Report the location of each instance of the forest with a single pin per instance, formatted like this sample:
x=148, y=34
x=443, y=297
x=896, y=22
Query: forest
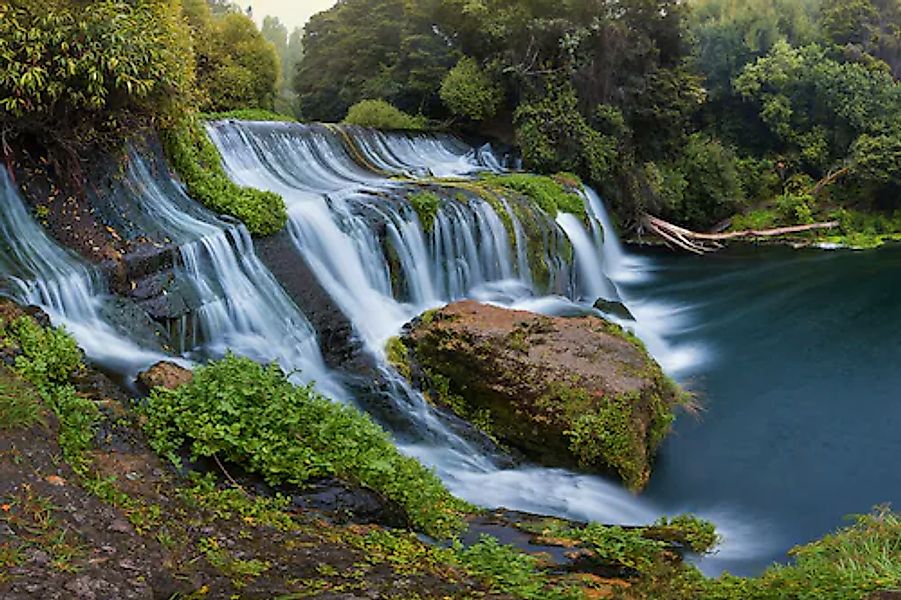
x=368, y=308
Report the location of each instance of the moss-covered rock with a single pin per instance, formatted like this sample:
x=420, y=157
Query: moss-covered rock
x=564, y=391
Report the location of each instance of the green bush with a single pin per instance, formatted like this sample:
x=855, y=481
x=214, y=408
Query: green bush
x=78, y=68
x=379, y=114
x=198, y=163
x=468, y=91
x=712, y=189
x=547, y=192
x=253, y=416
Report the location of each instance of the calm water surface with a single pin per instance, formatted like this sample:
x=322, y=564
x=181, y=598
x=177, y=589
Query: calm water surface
x=799, y=373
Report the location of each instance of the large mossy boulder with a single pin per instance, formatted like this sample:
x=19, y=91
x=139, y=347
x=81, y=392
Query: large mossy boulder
x=563, y=391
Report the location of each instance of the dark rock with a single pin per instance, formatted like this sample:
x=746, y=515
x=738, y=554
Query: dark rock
x=614, y=308
x=340, y=347
x=166, y=375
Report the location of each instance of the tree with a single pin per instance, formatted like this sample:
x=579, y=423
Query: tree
x=70, y=72
x=468, y=91
x=235, y=66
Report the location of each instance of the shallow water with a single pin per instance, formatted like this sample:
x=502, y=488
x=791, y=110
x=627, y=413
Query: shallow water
x=797, y=368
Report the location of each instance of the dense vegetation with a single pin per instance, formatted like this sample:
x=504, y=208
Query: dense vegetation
x=196, y=160
x=784, y=109
x=252, y=415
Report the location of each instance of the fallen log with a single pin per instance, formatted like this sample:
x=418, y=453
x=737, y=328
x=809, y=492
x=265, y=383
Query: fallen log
x=700, y=243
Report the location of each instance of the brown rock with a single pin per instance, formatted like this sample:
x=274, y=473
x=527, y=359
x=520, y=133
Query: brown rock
x=564, y=391
x=165, y=374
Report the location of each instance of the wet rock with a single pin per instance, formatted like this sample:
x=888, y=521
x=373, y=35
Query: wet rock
x=563, y=391
x=166, y=375
x=614, y=308
x=341, y=349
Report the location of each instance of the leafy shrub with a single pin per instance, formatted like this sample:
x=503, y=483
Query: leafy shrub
x=468, y=91
x=547, y=192
x=699, y=535
x=379, y=114
x=77, y=68
x=197, y=161
x=426, y=205
x=252, y=415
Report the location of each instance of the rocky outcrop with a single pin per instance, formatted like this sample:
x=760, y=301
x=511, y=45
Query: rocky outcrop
x=563, y=391
x=165, y=374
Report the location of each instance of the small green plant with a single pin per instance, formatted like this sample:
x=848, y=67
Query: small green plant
x=697, y=534
x=47, y=359
x=252, y=415
x=506, y=570
x=382, y=115
x=197, y=162
x=426, y=205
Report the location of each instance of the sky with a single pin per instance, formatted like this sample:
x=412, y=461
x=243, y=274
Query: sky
x=293, y=13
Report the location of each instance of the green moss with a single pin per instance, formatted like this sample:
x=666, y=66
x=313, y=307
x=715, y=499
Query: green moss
x=251, y=415
x=426, y=205
x=247, y=114
x=547, y=192
x=197, y=162
x=397, y=355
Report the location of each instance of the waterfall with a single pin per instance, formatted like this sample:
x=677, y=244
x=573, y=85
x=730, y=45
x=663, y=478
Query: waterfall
x=35, y=270
x=242, y=307
x=382, y=266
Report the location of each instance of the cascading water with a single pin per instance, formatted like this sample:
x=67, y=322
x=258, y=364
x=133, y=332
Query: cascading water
x=242, y=307
x=336, y=217
x=35, y=270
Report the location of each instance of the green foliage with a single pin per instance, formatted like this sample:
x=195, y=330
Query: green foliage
x=48, y=358
x=506, y=570
x=547, y=192
x=251, y=415
x=554, y=136
x=235, y=67
x=397, y=355
x=699, y=535
x=468, y=91
x=848, y=565
x=372, y=49
x=20, y=406
x=707, y=186
x=198, y=163
x=382, y=115
x=81, y=69
x=426, y=205
x=247, y=114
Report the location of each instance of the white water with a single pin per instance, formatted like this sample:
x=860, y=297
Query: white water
x=242, y=307
x=35, y=270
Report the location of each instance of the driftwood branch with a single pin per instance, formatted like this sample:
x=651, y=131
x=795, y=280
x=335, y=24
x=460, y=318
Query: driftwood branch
x=701, y=243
